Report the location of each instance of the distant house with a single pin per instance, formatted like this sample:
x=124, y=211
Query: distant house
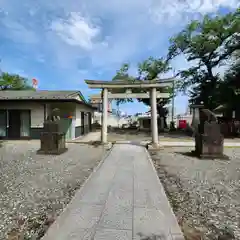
x=22, y=113
x=96, y=101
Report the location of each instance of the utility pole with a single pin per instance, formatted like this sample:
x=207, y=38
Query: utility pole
x=173, y=89
x=118, y=114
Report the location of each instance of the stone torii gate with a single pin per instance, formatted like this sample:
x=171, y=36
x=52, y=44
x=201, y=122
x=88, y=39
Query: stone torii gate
x=153, y=94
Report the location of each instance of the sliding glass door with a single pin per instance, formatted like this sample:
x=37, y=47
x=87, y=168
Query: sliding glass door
x=25, y=123
x=3, y=123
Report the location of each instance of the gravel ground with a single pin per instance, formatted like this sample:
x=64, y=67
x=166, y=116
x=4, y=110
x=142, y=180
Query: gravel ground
x=134, y=135
x=205, y=194
x=35, y=188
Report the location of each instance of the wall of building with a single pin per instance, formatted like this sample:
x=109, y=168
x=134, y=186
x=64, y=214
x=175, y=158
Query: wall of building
x=70, y=113
x=97, y=103
x=37, y=111
x=78, y=116
x=78, y=122
x=82, y=128
x=37, y=114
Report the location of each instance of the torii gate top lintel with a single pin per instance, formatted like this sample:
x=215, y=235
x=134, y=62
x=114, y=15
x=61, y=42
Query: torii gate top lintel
x=158, y=83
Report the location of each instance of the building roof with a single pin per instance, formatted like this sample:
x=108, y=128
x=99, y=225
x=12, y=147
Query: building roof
x=30, y=94
x=43, y=95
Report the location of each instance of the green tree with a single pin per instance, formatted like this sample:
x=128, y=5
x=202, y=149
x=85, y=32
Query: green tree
x=207, y=44
x=148, y=70
x=230, y=90
x=151, y=68
x=14, y=82
x=122, y=75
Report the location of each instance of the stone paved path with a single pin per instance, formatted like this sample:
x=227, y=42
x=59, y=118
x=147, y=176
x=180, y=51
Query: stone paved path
x=122, y=200
x=92, y=136
x=178, y=143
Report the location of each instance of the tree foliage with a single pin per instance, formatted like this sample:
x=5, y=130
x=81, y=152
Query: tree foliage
x=148, y=70
x=13, y=82
x=206, y=44
x=151, y=68
x=230, y=89
x=122, y=75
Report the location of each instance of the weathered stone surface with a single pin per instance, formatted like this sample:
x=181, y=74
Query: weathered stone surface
x=150, y=222
x=52, y=138
x=110, y=234
x=208, y=138
x=117, y=216
x=83, y=216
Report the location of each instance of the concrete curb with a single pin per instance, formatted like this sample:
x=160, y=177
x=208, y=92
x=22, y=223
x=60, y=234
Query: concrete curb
x=178, y=232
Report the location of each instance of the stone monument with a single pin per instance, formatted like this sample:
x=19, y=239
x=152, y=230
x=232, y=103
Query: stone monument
x=208, y=138
x=52, y=138
x=162, y=112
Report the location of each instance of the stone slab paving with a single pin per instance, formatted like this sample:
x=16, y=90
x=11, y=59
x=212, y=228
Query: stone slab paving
x=192, y=144
x=123, y=199
x=92, y=136
x=177, y=143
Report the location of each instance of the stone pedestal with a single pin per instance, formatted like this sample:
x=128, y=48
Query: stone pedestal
x=204, y=148
x=52, y=139
x=209, y=141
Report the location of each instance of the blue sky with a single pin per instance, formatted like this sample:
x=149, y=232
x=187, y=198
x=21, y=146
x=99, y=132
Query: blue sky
x=61, y=42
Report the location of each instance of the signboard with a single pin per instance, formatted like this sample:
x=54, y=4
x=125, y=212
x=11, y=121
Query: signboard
x=182, y=124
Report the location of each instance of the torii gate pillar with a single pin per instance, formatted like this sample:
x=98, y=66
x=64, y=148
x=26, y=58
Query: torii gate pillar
x=154, y=122
x=104, y=115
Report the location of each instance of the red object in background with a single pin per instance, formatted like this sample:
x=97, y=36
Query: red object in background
x=182, y=124
x=34, y=83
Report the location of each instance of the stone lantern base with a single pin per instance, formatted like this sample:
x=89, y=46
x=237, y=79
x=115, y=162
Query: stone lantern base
x=207, y=147
x=209, y=141
x=52, y=139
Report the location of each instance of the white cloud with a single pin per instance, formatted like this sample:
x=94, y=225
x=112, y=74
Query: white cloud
x=100, y=34
x=182, y=11
x=76, y=31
